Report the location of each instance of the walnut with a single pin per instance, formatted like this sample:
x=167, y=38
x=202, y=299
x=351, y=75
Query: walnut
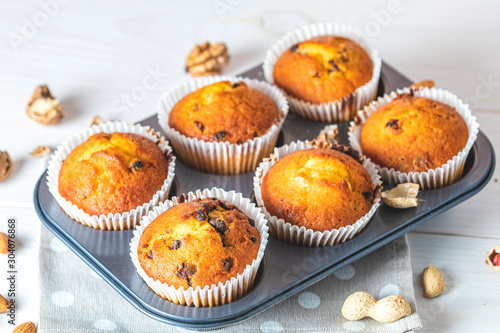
x=5, y=165
x=43, y=107
x=402, y=196
x=207, y=59
x=330, y=134
x=96, y=121
x=40, y=151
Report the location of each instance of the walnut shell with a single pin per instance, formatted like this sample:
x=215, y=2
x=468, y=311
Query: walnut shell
x=207, y=59
x=490, y=255
x=432, y=282
x=6, y=165
x=43, y=107
x=329, y=134
x=402, y=196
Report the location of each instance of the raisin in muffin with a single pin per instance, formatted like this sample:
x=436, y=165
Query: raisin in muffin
x=323, y=69
x=224, y=111
x=413, y=134
x=198, y=243
x=113, y=173
x=318, y=188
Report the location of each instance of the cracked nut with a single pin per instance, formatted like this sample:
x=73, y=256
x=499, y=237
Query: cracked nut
x=43, y=107
x=40, y=151
x=329, y=134
x=28, y=327
x=387, y=310
x=207, y=59
x=96, y=121
x=432, y=282
x=493, y=257
x=4, y=304
x=5, y=165
x=402, y=196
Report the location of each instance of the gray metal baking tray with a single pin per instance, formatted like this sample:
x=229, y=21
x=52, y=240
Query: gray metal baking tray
x=286, y=269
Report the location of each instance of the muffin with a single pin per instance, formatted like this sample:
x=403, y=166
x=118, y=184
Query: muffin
x=224, y=111
x=109, y=175
x=198, y=243
x=418, y=136
x=201, y=249
x=327, y=71
x=323, y=69
x=413, y=134
x=317, y=188
x=223, y=125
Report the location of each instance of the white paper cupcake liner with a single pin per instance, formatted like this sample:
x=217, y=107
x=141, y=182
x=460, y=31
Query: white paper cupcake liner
x=221, y=157
x=293, y=234
x=110, y=221
x=433, y=178
x=225, y=291
x=343, y=109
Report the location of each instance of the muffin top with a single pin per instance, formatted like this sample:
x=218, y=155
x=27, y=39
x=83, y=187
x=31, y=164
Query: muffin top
x=112, y=173
x=198, y=243
x=323, y=69
x=223, y=111
x=318, y=188
x=413, y=134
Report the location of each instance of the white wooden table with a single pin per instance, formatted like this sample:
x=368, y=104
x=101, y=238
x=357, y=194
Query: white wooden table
x=95, y=57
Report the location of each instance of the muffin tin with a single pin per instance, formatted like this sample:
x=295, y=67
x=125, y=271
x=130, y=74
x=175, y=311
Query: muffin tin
x=286, y=269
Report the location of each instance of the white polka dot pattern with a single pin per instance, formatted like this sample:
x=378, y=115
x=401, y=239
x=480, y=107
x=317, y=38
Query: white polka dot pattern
x=62, y=298
x=309, y=300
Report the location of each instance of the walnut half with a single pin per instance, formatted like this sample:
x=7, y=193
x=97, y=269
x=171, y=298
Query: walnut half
x=5, y=165
x=207, y=59
x=43, y=107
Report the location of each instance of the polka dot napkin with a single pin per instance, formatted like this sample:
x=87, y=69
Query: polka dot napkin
x=75, y=299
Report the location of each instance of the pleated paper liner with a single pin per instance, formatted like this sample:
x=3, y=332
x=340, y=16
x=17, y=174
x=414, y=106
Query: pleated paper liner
x=117, y=221
x=225, y=291
x=293, y=234
x=343, y=109
x=221, y=157
x=445, y=175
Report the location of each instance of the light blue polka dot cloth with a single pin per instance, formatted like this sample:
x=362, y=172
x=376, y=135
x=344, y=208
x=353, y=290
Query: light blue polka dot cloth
x=75, y=299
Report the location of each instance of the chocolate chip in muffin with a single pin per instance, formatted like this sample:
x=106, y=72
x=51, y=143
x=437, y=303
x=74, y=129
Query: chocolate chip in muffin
x=316, y=74
x=150, y=254
x=344, y=56
x=227, y=263
x=220, y=135
x=394, y=125
x=236, y=85
x=145, y=246
x=199, y=125
x=137, y=165
x=239, y=142
x=255, y=134
x=201, y=215
x=294, y=48
x=222, y=205
x=253, y=239
x=335, y=68
x=186, y=271
x=176, y=244
x=252, y=222
x=367, y=195
x=218, y=225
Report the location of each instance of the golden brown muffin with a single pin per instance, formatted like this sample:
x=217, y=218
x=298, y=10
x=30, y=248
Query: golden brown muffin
x=198, y=243
x=112, y=173
x=224, y=112
x=318, y=188
x=413, y=134
x=323, y=69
